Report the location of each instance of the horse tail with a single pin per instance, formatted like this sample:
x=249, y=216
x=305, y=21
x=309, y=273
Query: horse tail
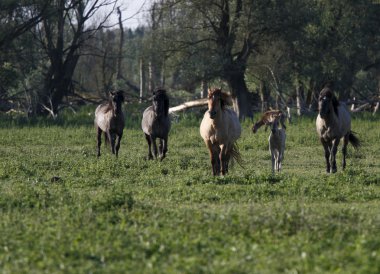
x=355, y=142
x=235, y=155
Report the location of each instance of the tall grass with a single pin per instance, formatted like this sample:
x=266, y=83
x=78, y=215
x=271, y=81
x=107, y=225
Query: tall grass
x=62, y=210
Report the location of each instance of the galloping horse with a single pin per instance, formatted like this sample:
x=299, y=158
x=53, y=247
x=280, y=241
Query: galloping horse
x=220, y=129
x=334, y=123
x=156, y=123
x=109, y=118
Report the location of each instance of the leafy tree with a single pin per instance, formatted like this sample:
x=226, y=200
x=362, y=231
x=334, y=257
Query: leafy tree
x=224, y=34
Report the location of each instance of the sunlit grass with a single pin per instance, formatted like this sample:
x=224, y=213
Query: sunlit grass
x=62, y=210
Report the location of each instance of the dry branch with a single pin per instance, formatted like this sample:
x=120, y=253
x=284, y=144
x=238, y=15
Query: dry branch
x=190, y=104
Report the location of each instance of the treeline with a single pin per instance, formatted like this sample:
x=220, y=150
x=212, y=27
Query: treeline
x=267, y=53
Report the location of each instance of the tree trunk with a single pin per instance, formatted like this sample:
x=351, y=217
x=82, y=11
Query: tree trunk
x=264, y=96
x=376, y=109
x=313, y=106
x=121, y=42
x=151, y=79
x=299, y=92
x=241, y=96
x=142, y=79
x=204, y=89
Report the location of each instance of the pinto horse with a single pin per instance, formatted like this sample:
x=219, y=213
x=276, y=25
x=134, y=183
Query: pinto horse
x=268, y=118
x=156, y=124
x=220, y=129
x=333, y=124
x=109, y=118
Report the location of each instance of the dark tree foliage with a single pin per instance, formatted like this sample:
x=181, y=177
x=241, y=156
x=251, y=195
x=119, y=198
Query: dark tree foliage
x=277, y=49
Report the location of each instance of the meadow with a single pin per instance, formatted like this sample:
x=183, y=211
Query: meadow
x=62, y=210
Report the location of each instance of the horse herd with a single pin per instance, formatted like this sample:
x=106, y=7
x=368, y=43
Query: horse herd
x=220, y=128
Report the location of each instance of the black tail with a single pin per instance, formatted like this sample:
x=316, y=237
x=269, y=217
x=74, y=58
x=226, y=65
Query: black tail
x=235, y=155
x=354, y=140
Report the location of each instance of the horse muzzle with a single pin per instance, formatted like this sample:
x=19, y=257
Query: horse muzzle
x=212, y=114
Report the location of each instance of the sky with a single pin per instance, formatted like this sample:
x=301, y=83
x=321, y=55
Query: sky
x=133, y=13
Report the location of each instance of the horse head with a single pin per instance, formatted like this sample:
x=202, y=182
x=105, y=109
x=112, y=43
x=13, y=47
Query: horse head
x=217, y=100
x=256, y=126
x=116, y=99
x=160, y=102
x=327, y=102
x=270, y=117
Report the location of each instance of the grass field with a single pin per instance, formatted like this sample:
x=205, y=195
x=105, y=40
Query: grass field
x=62, y=210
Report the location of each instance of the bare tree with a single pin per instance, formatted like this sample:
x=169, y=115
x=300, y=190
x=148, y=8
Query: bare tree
x=62, y=37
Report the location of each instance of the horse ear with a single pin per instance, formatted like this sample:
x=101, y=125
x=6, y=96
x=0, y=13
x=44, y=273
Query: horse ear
x=227, y=99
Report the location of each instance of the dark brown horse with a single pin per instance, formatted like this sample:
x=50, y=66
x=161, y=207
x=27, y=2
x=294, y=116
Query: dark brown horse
x=156, y=124
x=333, y=124
x=109, y=118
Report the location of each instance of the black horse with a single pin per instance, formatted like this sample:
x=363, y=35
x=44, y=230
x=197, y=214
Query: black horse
x=109, y=118
x=156, y=124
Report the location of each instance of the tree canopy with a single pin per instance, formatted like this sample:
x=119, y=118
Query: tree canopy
x=270, y=49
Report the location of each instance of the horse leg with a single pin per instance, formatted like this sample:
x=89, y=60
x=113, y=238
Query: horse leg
x=217, y=159
x=117, y=146
x=326, y=147
x=211, y=153
x=276, y=159
x=344, y=151
x=227, y=159
x=99, y=139
x=163, y=147
x=214, y=158
x=160, y=148
x=272, y=159
x=280, y=157
x=153, y=140
x=223, y=159
x=147, y=137
x=111, y=138
x=334, y=150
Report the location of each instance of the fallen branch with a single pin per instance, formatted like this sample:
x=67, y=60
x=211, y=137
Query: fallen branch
x=362, y=107
x=190, y=104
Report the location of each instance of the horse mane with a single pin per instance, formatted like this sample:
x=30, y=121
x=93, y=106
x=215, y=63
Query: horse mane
x=225, y=98
x=161, y=94
x=119, y=93
x=329, y=93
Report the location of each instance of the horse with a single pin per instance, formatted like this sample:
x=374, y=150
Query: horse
x=220, y=129
x=109, y=118
x=277, y=145
x=333, y=123
x=156, y=124
x=267, y=119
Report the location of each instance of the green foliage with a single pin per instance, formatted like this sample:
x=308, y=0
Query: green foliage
x=62, y=210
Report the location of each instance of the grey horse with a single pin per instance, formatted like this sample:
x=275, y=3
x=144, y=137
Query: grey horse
x=333, y=124
x=156, y=124
x=109, y=118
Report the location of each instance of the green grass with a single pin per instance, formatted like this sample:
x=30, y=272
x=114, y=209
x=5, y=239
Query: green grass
x=62, y=210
